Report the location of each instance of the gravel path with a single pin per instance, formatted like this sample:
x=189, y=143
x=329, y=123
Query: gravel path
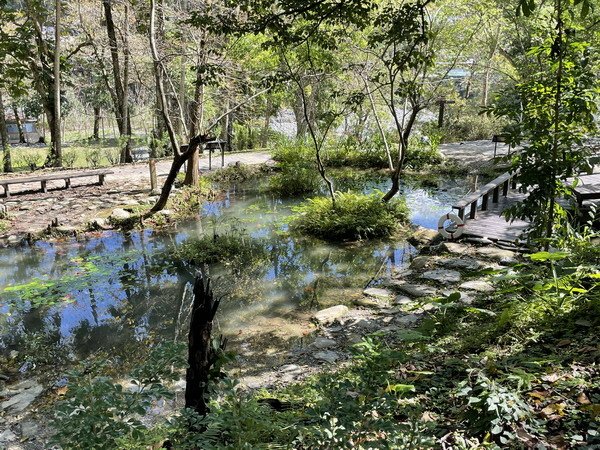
x=31, y=211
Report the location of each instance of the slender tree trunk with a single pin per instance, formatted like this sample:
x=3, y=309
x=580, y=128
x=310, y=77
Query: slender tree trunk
x=19, y=123
x=121, y=108
x=192, y=176
x=4, y=141
x=57, y=142
x=557, y=103
x=96, y=132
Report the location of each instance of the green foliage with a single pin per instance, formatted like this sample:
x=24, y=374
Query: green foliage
x=356, y=216
x=351, y=153
x=297, y=170
x=469, y=126
x=231, y=247
x=188, y=200
x=421, y=154
x=93, y=157
x=98, y=413
x=237, y=173
x=68, y=158
x=551, y=112
x=492, y=408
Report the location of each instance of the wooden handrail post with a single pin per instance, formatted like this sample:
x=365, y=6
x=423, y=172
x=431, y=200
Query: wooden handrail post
x=153, y=180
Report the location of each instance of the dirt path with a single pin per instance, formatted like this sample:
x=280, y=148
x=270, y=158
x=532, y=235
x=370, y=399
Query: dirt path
x=31, y=211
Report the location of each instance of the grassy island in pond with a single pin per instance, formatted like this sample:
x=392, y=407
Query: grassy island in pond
x=354, y=216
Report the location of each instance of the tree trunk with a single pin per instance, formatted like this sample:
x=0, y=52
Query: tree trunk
x=22, y=139
x=192, y=176
x=4, y=141
x=121, y=108
x=202, y=355
x=96, y=132
x=57, y=141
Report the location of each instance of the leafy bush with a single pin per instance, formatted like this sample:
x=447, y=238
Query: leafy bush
x=297, y=170
x=467, y=127
x=68, y=158
x=351, y=153
x=93, y=157
x=237, y=173
x=98, y=413
x=292, y=152
x=188, y=200
x=113, y=156
x=356, y=216
x=422, y=153
x=30, y=159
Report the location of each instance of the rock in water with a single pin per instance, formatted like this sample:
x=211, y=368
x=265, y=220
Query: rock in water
x=119, y=214
x=330, y=315
x=378, y=293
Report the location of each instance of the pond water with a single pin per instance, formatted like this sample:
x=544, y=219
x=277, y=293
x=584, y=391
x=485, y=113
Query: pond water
x=115, y=292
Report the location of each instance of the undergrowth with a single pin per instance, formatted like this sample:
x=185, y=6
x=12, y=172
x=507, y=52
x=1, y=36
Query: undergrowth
x=355, y=216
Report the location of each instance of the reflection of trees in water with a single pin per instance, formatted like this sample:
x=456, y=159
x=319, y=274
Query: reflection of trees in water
x=134, y=301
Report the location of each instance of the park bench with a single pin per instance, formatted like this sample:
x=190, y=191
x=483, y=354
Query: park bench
x=493, y=187
x=43, y=179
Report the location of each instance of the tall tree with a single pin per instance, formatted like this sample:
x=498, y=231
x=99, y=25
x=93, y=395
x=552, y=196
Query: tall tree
x=120, y=72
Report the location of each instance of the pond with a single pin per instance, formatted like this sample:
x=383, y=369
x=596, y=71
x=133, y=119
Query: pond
x=115, y=292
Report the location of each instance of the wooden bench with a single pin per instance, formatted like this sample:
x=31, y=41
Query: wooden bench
x=43, y=179
x=493, y=188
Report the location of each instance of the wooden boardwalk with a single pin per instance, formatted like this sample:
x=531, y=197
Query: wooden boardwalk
x=491, y=225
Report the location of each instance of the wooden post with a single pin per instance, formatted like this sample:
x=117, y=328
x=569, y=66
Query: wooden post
x=202, y=355
x=153, y=181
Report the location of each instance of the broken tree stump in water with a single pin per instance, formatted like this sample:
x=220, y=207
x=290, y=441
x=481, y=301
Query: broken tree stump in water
x=202, y=354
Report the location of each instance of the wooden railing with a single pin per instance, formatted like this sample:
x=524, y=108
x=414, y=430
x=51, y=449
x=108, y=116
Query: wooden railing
x=504, y=182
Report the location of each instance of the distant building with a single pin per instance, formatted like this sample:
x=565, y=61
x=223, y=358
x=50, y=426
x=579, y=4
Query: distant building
x=30, y=131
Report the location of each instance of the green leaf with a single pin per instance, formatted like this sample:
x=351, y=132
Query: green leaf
x=548, y=256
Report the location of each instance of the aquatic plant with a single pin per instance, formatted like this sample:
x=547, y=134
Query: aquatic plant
x=227, y=247
x=356, y=216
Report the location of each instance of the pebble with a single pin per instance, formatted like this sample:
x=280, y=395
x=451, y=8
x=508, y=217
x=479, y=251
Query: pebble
x=403, y=300
x=321, y=343
x=419, y=262
x=461, y=263
x=119, y=214
x=408, y=320
x=454, y=248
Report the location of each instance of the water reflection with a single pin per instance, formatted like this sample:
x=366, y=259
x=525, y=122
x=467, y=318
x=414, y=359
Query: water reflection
x=116, y=291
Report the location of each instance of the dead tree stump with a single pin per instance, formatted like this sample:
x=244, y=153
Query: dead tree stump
x=202, y=355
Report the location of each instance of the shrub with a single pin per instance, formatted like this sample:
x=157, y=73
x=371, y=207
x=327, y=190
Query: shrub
x=93, y=157
x=187, y=202
x=68, y=158
x=356, y=216
x=237, y=173
x=295, y=179
x=30, y=159
x=422, y=152
x=98, y=413
x=113, y=156
x=298, y=172
x=294, y=152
